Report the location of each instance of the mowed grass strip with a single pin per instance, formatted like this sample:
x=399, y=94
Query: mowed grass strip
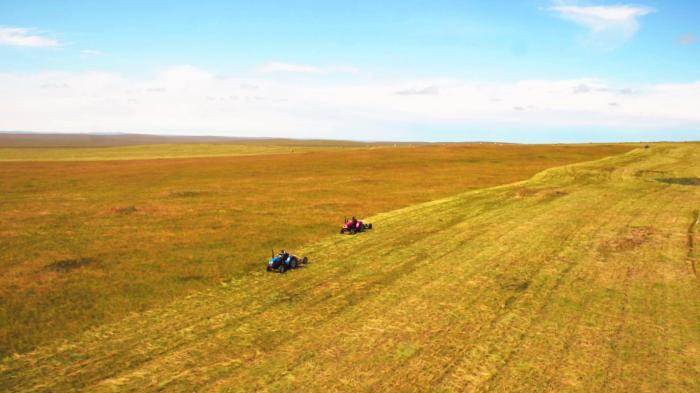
x=155, y=230
x=575, y=280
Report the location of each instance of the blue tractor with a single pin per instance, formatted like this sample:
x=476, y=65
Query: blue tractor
x=284, y=261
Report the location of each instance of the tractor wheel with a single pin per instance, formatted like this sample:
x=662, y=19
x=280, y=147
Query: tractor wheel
x=269, y=268
x=369, y=226
x=304, y=260
x=352, y=231
x=293, y=264
x=282, y=268
x=342, y=231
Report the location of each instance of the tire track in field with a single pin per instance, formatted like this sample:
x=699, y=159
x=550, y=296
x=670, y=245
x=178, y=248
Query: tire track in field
x=561, y=276
x=691, y=244
x=485, y=329
x=575, y=323
x=545, y=300
x=569, y=337
x=622, y=312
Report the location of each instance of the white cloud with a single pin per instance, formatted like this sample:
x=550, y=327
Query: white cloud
x=19, y=36
x=186, y=99
x=277, y=67
x=428, y=90
x=608, y=25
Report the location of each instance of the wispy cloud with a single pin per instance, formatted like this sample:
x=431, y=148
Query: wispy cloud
x=608, y=25
x=23, y=37
x=688, y=39
x=596, y=87
x=428, y=90
x=278, y=67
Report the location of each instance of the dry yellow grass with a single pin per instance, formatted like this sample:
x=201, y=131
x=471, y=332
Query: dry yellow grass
x=162, y=151
x=82, y=243
x=579, y=279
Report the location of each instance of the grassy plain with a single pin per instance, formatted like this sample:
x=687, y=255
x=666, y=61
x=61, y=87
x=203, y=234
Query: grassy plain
x=39, y=140
x=32, y=147
x=579, y=279
x=152, y=151
x=84, y=243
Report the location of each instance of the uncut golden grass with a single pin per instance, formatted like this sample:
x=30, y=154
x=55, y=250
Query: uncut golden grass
x=158, y=229
x=583, y=284
x=159, y=151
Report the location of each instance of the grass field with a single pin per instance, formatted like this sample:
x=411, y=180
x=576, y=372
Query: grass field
x=582, y=278
x=73, y=141
x=47, y=147
x=84, y=243
x=159, y=151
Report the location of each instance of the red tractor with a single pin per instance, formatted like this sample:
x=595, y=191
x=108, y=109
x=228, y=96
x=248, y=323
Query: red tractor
x=353, y=226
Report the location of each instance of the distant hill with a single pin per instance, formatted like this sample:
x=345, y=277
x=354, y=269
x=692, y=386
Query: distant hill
x=30, y=139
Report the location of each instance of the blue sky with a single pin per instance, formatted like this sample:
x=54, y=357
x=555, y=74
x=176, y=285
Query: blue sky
x=527, y=71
